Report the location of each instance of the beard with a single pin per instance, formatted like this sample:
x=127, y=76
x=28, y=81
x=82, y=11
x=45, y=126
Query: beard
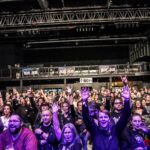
x=14, y=130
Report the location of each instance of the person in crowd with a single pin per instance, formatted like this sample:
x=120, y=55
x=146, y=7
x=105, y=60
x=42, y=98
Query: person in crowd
x=44, y=106
x=40, y=101
x=114, y=105
x=134, y=135
x=105, y=135
x=1, y=104
x=17, y=137
x=45, y=134
x=26, y=107
x=143, y=102
x=93, y=109
x=1, y=126
x=21, y=107
x=6, y=115
x=147, y=109
x=68, y=136
x=67, y=113
x=139, y=109
x=147, y=99
x=117, y=109
x=80, y=126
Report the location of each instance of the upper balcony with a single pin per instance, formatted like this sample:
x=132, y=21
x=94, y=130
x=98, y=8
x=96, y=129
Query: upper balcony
x=69, y=72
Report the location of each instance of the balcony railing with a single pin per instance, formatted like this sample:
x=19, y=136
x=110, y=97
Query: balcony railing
x=74, y=71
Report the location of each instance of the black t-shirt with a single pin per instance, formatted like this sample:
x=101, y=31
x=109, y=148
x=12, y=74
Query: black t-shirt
x=45, y=128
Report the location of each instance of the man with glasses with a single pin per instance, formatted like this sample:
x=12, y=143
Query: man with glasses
x=17, y=137
x=117, y=108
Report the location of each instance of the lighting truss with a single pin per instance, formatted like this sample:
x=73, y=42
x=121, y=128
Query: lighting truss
x=75, y=16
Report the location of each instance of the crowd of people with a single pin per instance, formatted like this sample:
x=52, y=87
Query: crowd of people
x=73, y=119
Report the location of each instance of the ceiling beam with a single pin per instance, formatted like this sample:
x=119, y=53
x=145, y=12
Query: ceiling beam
x=43, y=4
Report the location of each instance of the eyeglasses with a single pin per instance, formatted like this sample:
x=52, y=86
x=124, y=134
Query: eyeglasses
x=15, y=121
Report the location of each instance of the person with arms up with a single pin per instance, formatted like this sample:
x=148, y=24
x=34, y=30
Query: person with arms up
x=105, y=135
x=68, y=136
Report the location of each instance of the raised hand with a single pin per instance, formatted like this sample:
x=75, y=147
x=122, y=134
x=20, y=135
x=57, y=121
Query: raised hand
x=124, y=80
x=85, y=94
x=55, y=108
x=15, y=91
x=41, y=91
x=143, y=127
x=125, y=91
x=69, y=90
x=54, y=94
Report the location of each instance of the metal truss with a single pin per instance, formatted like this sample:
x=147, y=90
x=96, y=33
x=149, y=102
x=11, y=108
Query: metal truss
x=75, y=16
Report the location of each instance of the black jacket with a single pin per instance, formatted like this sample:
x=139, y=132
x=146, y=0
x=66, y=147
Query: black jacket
x=76, y=146
x=80, y=128
x=27, y=112
x=1, y=126
x=69, y=119
x=52, y=141
x=132, y=139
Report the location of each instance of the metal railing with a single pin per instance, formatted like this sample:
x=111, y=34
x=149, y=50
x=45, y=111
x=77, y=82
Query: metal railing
x=74, y=71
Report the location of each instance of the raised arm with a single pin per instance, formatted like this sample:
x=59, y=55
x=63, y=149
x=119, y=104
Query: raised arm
x=126, y=112
x=31, y=98
x=56, y=123
x=70, y=100
x=89, y=122
x=43, y=95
